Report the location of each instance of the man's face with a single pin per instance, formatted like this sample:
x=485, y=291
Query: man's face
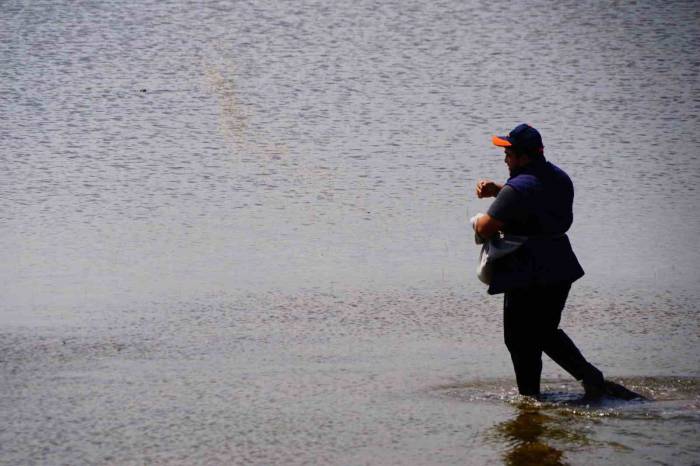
x=513, y=160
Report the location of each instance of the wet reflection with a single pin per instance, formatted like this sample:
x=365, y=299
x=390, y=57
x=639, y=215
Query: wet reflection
x=529, y=435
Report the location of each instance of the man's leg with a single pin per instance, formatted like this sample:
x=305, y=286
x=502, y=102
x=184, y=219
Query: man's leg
x=531, y=325
x=557, y=344
x=520, y=332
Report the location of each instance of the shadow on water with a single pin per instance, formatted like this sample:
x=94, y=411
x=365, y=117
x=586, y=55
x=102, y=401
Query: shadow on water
x=528, y=438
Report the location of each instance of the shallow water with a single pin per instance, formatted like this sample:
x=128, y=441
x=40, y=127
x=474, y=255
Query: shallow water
x=237, y=232
x=345, y=378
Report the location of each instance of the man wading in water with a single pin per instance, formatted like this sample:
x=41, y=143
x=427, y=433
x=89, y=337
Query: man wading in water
x=536, y=202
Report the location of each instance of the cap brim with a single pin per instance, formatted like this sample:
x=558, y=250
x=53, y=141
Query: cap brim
x=501, y=141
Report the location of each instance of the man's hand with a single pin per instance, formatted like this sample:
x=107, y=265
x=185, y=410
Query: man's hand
x=487, y=188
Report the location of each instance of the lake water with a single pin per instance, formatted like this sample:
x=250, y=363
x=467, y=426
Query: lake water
x=237, y=232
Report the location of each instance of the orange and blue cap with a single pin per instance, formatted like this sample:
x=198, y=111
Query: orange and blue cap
x=523, y=137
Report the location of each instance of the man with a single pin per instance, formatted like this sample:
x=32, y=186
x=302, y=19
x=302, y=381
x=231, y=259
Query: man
x=536, y=202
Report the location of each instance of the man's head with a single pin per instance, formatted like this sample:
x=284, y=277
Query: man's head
x=524, y=139
x=522, y=145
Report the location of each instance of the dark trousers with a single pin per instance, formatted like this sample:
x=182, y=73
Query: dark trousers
x=531, y=326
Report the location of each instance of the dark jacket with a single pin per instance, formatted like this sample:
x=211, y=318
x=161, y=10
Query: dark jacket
x=547, y=195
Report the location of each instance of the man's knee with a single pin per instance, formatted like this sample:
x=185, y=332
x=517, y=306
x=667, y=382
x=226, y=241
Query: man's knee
x=511, y=338
x=554, y=337
x=521, y=342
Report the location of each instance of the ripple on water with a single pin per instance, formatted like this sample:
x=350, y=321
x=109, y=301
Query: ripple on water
x=556, y=393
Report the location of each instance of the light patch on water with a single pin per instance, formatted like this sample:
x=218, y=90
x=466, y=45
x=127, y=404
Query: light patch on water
x=244, y=140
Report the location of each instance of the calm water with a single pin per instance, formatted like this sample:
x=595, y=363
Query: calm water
x=237, y=231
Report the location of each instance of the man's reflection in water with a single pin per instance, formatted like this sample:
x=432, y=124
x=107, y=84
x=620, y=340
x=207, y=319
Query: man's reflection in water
x=527, y=437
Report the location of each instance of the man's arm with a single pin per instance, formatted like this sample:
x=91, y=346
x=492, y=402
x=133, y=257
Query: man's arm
x=506, y=209
x=487, y=226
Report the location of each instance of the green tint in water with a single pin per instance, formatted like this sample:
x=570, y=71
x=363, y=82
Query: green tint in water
x=528, y=437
